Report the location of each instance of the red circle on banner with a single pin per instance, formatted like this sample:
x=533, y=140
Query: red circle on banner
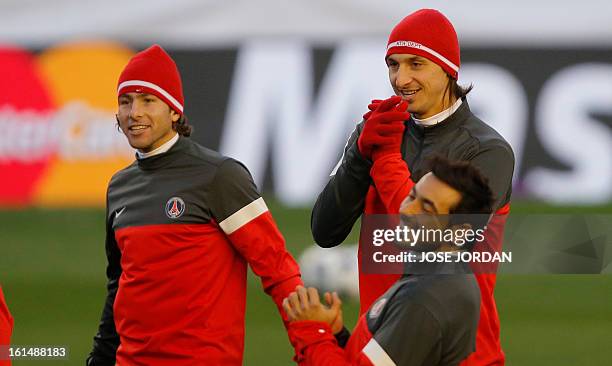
x=25, y=110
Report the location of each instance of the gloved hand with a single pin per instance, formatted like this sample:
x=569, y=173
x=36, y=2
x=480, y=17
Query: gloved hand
x=383, y=127
x=394, y=133
x=371, y=108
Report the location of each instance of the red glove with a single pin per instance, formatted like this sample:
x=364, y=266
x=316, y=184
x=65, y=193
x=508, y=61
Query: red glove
x=371, y=108
x=394, y=133
x=383, y=126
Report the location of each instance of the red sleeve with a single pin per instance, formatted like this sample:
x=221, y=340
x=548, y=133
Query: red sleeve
x=391, y=177
x=254, y=234
x=244, y=217
x=315, y=345
x=488, y=346
x=6, y=328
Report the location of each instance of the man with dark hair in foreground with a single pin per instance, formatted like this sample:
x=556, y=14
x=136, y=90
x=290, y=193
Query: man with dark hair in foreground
x=423, y=319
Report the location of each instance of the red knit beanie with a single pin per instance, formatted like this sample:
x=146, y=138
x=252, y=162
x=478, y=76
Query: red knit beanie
x=427, y=33
x=153, y=71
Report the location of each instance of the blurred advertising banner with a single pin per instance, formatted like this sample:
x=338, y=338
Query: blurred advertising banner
x=58, y=144
x=285, y=107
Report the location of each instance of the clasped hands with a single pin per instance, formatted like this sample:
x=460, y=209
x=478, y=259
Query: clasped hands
x=304, y=304
x=383, y=128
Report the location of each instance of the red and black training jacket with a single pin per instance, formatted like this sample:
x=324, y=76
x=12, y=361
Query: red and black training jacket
x=181, y=228
x=422, y=320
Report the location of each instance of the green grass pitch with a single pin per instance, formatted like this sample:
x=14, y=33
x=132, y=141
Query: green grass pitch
x=52, y=272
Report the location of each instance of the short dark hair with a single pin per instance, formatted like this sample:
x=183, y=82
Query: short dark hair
x=476, y=195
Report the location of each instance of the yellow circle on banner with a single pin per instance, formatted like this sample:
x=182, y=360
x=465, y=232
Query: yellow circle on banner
x=82, y=79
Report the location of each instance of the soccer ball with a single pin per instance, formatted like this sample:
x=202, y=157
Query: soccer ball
x=332, y=269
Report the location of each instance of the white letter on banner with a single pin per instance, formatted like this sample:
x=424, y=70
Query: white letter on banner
x=567, y=129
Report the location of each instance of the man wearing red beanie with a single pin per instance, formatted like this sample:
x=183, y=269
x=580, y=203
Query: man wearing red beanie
x=385, y=155
x=6, y=329
x=182, y=223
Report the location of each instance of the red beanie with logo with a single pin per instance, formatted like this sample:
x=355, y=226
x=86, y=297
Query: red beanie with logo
x=154, y=72
x=427, y=33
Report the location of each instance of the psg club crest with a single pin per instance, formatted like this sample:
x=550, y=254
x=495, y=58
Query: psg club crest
x=175, y=207
x=377, y=308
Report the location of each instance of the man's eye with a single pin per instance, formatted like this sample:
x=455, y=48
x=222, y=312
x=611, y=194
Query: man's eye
x=123, y=102
x=149, y=100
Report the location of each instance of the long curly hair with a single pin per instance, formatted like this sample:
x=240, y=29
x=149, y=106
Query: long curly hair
x=182, y=126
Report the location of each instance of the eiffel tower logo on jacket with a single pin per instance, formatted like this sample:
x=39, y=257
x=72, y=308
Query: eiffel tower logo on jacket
x=175, y=207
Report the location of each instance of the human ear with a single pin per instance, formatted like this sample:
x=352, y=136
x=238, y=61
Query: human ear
x=174, y=116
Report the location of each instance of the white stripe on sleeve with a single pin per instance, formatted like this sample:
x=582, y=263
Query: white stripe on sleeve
x=243, y=216
x=377, y=354
x=342, y=157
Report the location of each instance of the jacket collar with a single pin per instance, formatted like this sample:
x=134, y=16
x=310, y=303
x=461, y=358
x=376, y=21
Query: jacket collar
x=450, y=123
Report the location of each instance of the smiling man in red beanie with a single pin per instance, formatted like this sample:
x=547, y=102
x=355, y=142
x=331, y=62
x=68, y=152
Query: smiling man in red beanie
x=182, y=223
x=385, y=155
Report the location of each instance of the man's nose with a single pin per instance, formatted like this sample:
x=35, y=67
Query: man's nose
x=136, y=110
x=411, y=208
x=404, y=76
